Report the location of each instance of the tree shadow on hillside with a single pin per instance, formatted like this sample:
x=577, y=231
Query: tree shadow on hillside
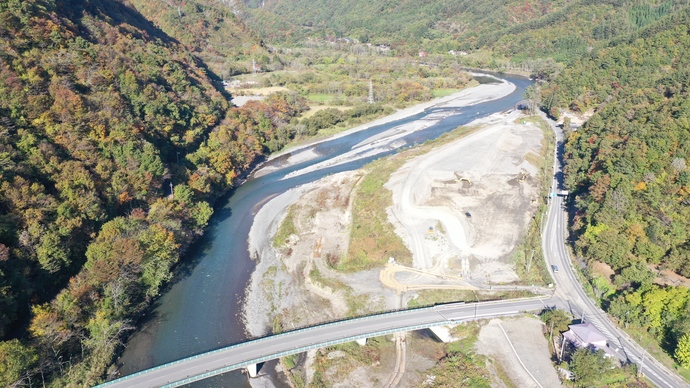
x=113, y=13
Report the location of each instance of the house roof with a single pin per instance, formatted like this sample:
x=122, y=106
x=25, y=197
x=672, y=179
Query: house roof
x=588, y=333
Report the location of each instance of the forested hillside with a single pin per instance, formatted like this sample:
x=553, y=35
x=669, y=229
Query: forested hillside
x=519, y=30
x=209, y=29
x=628, y=169
x=115, y=142
x=101, y=116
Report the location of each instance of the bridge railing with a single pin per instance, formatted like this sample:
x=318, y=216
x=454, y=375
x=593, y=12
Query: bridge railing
x=260, y=339
x=302, y=349
x=442, y=321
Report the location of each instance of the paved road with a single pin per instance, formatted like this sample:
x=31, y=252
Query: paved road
x=573, y=296
x=268, y=348
x=569, y=295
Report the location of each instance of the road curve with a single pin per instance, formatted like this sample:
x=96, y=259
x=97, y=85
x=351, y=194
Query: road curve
x=570, y=291
x=267, y=348
x=569, y=295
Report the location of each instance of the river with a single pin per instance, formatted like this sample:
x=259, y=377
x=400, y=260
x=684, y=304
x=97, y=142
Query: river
x=201, y=310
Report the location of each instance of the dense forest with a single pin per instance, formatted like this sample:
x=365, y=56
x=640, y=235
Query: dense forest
x=628, y=170
x=210, y=30
x=116, y=138
x=491, y=31
x=114, y=143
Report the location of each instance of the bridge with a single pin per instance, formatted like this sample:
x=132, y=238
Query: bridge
x=250, y=353
x=569, y=295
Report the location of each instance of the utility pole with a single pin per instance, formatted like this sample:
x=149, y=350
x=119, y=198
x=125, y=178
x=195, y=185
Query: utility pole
x=476, y=305
x=562, y=347
x=371, y=92
x=529, y=265
x=644, y=353
x=253, y=67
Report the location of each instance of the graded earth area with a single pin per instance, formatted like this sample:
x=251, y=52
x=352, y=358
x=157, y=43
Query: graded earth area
x=460, y=208
x=521, y=349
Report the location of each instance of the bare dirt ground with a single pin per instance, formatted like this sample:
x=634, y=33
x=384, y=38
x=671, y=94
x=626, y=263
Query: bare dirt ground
x=461, y=208
x=295, y=283
x=521, y=349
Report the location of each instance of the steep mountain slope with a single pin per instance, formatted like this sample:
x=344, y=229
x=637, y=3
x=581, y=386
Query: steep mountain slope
x=102, y=115
x=209, y=29
x=516, y=29
x=93, y=107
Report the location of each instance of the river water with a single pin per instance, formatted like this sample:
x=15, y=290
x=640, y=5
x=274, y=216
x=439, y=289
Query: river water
x=201, y=310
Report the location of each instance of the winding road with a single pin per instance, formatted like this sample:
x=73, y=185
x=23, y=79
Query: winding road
x=570, y=293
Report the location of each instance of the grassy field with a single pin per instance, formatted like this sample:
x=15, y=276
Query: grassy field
x=315, y=108
x=431, y=297
x=286, y=228
x=372, y=238
x=443, y=92
x=320, y=97
x=258, y=91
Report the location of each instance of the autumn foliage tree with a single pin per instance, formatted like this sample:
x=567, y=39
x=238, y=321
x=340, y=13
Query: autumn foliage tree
x=100, y=112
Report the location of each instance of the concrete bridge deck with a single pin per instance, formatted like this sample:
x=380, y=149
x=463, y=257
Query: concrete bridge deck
x=223, y=360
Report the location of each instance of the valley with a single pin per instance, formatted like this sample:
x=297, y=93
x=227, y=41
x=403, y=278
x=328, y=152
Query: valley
x=177, y=177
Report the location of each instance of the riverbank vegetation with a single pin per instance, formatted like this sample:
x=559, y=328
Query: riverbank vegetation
x=335, y=83
x=116, y=138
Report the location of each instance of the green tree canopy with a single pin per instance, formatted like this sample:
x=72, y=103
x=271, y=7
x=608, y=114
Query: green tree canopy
x=588, y=367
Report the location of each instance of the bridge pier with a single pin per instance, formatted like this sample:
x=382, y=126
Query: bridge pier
x=252, y=370
x=362, y=341
x=442, y=333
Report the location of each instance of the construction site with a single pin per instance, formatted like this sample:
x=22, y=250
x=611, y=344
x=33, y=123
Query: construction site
x=460, y=209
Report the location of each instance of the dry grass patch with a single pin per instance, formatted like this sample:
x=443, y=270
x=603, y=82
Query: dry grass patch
x=259, y=91
x=373, y=239
x=315, y=108
x=529, y=258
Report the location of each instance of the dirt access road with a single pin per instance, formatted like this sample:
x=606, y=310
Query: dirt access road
x=463, y=207
x=490, y=174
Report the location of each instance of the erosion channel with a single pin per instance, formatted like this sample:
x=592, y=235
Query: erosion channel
x=201, y=310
